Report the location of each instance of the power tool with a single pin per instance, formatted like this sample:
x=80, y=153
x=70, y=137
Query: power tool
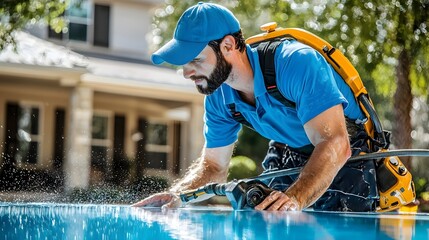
x=242, y=194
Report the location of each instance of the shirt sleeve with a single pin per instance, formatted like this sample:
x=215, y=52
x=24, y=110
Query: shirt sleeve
x=220, y=129
x=307, y=79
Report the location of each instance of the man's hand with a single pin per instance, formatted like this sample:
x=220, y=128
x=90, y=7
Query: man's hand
x=211, y=167
x=164, y=200
x=278, y=201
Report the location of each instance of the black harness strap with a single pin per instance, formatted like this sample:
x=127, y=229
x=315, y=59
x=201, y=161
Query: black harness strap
x=266, y=52
x=238, y=116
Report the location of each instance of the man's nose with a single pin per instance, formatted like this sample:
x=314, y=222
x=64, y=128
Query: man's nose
x=188, y=72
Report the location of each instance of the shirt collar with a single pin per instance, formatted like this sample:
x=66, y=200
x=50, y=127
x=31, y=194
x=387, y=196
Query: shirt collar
x=230, y=95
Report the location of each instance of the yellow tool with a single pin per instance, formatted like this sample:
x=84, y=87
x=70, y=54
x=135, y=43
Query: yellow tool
x=395, y=184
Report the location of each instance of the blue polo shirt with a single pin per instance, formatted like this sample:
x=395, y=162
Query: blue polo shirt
x=303, y=76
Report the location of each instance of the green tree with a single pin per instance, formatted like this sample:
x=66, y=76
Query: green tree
x=16, y=14
x=241, y=167
x=384, y=38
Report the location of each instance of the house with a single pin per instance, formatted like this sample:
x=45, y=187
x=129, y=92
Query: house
x=88, y=105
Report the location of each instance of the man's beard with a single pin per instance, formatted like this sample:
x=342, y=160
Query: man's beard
x=219, y=75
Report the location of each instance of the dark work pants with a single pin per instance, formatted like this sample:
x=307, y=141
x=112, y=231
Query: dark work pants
x=353, y=189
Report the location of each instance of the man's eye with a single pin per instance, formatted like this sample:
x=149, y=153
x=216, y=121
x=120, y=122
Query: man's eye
x=196, y=62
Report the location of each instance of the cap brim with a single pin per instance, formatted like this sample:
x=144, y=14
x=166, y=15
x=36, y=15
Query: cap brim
x=177, y=52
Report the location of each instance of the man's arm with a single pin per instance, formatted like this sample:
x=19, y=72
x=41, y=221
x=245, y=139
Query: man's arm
x=328, y=133
x=212, y=166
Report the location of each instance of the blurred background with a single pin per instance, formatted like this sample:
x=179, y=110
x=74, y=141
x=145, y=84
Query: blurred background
x=86, y=117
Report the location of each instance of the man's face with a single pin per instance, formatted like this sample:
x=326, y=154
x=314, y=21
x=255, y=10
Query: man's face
x=204, y=62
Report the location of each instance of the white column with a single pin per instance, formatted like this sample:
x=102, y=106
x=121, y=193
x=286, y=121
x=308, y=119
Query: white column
x=195, y=139
x=2, y=126
x=48, y=136
x=78, y=141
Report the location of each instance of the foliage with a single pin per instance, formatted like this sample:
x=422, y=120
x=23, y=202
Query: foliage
x=422, y=193
x=251, y=144
x=16, y=14
x=421, y=185
x=388, y=43
x=373, y=34
x=420, y=72
x=241, y=167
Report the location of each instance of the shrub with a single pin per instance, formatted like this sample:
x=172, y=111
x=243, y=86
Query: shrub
x=241, y=167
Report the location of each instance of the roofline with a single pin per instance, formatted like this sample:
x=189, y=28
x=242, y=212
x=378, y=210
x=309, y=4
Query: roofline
x=138, y=88
x=70, y=77
x=66, y=76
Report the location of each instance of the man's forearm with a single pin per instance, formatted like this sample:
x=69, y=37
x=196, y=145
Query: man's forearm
x=199, y=174
x=315, y=178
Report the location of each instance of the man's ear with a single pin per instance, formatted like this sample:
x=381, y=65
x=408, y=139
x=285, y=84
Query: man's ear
x=228, y=44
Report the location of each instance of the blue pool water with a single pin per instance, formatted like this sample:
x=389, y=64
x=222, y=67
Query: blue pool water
x=65, y=221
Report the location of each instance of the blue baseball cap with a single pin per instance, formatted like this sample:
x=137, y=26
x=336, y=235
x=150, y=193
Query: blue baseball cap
x=197, y=26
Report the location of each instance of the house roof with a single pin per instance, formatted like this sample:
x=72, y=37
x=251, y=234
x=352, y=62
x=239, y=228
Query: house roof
x=31, y=50
x=34, y=52
x=132, y=72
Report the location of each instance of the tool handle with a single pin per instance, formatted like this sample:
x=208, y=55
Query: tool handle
x=216, y=188
x=211, y=188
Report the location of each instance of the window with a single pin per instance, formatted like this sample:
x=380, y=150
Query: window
x=86, y=23
x=157, y=148
x=28, y=136
x=78, y=15
x=100, y=141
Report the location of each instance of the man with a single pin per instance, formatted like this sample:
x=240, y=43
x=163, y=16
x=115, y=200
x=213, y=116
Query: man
x=209, y=44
